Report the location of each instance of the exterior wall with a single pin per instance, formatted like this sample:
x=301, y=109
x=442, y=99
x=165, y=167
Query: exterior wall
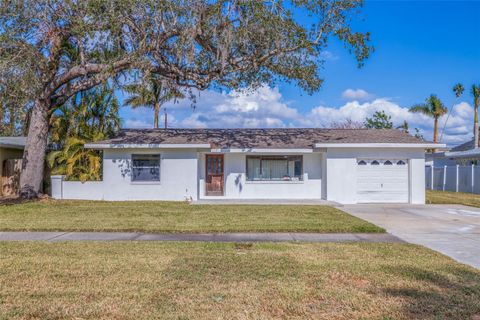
x=330, y=175
x=237, y=186
x=8, y=153
x=341, y=173
x=76, y=190
x=178, y=178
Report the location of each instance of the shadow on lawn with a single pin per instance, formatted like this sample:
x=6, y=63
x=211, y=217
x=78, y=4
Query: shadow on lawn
x=449, y=293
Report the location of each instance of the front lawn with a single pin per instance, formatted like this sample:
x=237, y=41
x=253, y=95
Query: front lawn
x=446, y=197
x=139, y=280
x=151, y=216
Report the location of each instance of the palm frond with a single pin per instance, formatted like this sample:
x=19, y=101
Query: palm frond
x=89, y=116
x=421, y=108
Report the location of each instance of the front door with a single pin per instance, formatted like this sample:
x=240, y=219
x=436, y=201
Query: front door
x=214, y=174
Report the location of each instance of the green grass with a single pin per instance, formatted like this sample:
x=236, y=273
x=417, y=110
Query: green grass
x=150, y=216
x=139, y=280
x=446, y=197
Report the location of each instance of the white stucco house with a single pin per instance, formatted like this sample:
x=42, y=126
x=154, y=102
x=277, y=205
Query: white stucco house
x=341, y=165
x=463, y=154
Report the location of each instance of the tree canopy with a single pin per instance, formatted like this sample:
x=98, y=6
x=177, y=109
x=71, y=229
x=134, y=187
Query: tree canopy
x=62, y=47
x=379, y=120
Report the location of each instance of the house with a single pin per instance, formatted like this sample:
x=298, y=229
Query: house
x=11, y=153
x=463, y=154
x=342, y=165
x=438, y=159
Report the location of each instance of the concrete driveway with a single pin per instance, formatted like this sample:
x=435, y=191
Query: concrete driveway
x=453, y=230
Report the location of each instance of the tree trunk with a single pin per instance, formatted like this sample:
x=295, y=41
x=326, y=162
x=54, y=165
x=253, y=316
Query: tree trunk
x=31, y=177
x=475, y=128
x=435, y=130
x=156, y=110
x=2, y=115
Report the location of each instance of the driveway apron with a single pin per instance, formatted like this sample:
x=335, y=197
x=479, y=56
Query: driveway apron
x=453, y=230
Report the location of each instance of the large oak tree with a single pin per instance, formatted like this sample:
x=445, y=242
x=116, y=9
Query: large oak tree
x=59, y=48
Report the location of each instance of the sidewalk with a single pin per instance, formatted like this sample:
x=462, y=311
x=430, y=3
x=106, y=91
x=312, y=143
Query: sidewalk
x=203, y=237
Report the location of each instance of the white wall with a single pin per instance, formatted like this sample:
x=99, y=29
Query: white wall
x=178, y=178
x=341, y=173
x=182, y=175
x=237, y=186
x=76, y=190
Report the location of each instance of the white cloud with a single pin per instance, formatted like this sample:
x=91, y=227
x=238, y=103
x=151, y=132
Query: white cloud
x=262, y=108
x=328, y=56
x=356, y=111
x=356, y=94
x=137, y=124
x=266, y=107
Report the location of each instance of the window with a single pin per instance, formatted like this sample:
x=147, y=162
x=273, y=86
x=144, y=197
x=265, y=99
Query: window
x=145, y=167
x=375, y=163
x=387, y=163
x=362, y=163
x=401, y=163
x=274, y=168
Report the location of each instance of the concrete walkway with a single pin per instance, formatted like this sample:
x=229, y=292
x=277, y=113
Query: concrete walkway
x=453, y=230
x=203, y=237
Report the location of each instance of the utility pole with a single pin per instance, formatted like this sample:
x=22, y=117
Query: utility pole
x=166, y=119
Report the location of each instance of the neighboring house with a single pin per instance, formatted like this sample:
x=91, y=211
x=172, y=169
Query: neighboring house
x=438, y=159
x=342, y=165
x=11, y=153
x=464, y=154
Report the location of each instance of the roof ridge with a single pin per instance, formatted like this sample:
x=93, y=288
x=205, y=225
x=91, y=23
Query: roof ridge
x=299, y=128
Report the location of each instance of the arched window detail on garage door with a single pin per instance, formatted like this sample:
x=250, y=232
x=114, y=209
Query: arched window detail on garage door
x=361, y=163
x=388, y=163
x=401, y=163
x=375, y=163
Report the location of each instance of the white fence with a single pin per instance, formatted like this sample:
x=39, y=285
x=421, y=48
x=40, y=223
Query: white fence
x=453, y=178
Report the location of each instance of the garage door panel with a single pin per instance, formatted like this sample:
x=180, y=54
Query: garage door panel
x=382, y=182
x=383, y=197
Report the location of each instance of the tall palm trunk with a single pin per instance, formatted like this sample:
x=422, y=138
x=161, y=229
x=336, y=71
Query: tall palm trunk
x=31, y=177
x=435, y=129
x=155, y=116
x=475, y=127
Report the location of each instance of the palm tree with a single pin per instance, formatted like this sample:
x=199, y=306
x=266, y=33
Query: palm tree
x=151, y=93
x=76, y=162
x=433, y=108
x=458, y=89
x=89, y=116
x=475, y=92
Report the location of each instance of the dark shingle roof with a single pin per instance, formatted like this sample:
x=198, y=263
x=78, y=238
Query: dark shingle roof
x=464, y=146
x=259, y=138
x=13, y=142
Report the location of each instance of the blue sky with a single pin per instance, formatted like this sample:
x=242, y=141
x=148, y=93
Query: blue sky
x=421, y=47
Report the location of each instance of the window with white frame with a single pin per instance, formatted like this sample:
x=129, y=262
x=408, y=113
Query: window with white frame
x=145, y=167
x=274, y=168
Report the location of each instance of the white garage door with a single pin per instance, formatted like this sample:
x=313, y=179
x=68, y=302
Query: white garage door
x=382, y=180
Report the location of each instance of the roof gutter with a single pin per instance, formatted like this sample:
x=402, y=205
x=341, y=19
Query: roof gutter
x=12, y=146
x=263, y=150
x=463, y=154
x=147, y=146
x=381, y=145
